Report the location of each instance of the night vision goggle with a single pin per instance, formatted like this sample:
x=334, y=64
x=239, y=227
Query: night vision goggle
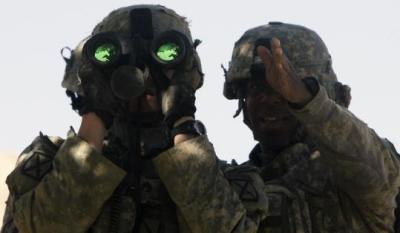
x=124, y=58
x=107, y=49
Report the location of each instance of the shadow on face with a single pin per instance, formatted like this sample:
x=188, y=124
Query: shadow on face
x=267, y=114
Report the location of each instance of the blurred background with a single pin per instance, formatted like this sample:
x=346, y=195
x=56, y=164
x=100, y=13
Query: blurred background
x=362, y=36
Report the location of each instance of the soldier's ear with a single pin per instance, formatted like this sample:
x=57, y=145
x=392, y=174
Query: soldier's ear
x=342, y=94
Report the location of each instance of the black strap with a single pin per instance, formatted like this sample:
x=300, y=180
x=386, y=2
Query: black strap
x=240, y=107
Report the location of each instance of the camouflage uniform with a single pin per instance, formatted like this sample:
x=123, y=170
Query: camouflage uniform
x=67, y=186
x=346, y=180
x=340, y=176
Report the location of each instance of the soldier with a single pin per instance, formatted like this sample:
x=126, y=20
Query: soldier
x=325, y=170
x=139, y=162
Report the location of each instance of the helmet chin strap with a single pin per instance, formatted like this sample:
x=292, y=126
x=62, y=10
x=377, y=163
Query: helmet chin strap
x=241, y=104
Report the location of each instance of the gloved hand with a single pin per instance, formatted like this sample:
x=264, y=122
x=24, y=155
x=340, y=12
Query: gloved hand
x=178, y=100
x=98, y=96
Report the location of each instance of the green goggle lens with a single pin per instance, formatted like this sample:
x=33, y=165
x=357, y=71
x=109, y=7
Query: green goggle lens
x=105, y=53
x=168, y=52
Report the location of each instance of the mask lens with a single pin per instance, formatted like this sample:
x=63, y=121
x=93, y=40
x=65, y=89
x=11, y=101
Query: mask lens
x=168, y=52
x=105, y=53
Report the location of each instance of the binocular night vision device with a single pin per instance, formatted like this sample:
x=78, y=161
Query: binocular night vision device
x=108, y=49
x=126, y=56
x=124, y=59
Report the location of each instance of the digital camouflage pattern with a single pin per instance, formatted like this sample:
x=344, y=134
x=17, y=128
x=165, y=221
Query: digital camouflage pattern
x=66, y=186
x=191, y=193
x=78, y=175
x=303, y=47
x=163, y=19
x=342, y=178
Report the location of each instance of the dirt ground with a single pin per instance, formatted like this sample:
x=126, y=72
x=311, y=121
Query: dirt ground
x=7, y=163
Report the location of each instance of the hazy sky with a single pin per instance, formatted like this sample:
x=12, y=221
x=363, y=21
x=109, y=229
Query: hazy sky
x=363, y=38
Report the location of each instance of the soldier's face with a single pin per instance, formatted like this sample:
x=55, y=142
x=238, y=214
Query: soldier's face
x=268, y=113
x=149, y=100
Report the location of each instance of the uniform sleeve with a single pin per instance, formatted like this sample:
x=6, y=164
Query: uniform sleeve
x=8, y=224
x=206, y=199
x=69, y=197
x=362, y=163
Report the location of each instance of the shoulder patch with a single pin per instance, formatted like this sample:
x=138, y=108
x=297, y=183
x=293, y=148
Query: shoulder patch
x=33, y=164
x=39, y=159
x=246, y=181
x=245, y=189
x=37, y=165
x=242, y=180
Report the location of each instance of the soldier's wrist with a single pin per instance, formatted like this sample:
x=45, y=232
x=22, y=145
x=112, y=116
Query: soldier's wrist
x=311, y=89
x=183, y=137
x=92, y=130
x=186, y=129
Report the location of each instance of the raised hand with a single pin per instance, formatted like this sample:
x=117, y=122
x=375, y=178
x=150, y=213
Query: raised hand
x=281, y=76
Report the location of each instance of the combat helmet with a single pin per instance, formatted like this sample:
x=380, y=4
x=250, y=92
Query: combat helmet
x=305, y=50
x=154, y=24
